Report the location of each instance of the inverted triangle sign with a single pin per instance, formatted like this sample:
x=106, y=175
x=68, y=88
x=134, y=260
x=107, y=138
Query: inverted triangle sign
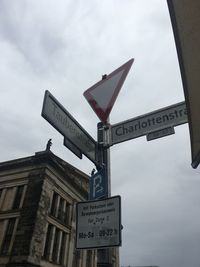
x=102, y=95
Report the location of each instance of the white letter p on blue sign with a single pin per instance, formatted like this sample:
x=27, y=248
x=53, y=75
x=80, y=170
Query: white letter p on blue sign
x=97, y=185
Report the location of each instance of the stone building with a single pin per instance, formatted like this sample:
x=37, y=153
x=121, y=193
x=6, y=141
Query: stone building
x=37, y=212
x=38, y=195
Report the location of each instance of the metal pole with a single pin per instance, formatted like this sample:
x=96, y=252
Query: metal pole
x=104, y=256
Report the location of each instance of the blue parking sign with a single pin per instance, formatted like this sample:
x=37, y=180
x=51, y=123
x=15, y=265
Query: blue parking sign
x=98, y=185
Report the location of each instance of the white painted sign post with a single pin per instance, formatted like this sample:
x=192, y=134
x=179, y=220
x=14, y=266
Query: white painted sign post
x=101, y=98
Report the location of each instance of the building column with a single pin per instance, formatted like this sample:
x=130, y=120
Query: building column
x=66, y=252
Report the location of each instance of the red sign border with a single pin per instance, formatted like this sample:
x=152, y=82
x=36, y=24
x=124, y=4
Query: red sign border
x=103, y=115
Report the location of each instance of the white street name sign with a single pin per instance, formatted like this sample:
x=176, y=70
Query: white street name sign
x=166, y=117
x=63, y=121
x=98, y=223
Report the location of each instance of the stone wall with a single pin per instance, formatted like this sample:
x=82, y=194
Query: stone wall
x=37, y=244
x=28, y=214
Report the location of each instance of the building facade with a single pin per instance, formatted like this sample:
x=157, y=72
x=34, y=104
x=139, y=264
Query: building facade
x=38, y=195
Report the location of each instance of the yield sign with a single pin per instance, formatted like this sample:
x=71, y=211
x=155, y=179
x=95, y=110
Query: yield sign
x=103, y=94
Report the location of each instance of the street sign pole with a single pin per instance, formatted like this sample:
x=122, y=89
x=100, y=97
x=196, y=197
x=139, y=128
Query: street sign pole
x=104, y=256
x=101, y=98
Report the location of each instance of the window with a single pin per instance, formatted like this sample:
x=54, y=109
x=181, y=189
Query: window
x=55, y=245
x=8, y=198
x=76, y=258
x=89, y=258
x=67, y=214
x=61, y=213
x=18, y=196
x=8, y=237
x=60, y=209
x=54, y=204
x=62, y=248
x=11, y=198
x=1, y=190
x=48, y=241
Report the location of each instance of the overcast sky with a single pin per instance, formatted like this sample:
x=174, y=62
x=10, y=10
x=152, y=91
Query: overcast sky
x=65, y=46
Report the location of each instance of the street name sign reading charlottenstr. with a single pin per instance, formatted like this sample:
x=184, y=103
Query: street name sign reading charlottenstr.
x=170, y=116
x=98, y=223
x=60, y=119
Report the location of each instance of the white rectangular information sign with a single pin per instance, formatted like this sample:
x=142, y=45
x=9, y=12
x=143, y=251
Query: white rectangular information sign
x=98, y=223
